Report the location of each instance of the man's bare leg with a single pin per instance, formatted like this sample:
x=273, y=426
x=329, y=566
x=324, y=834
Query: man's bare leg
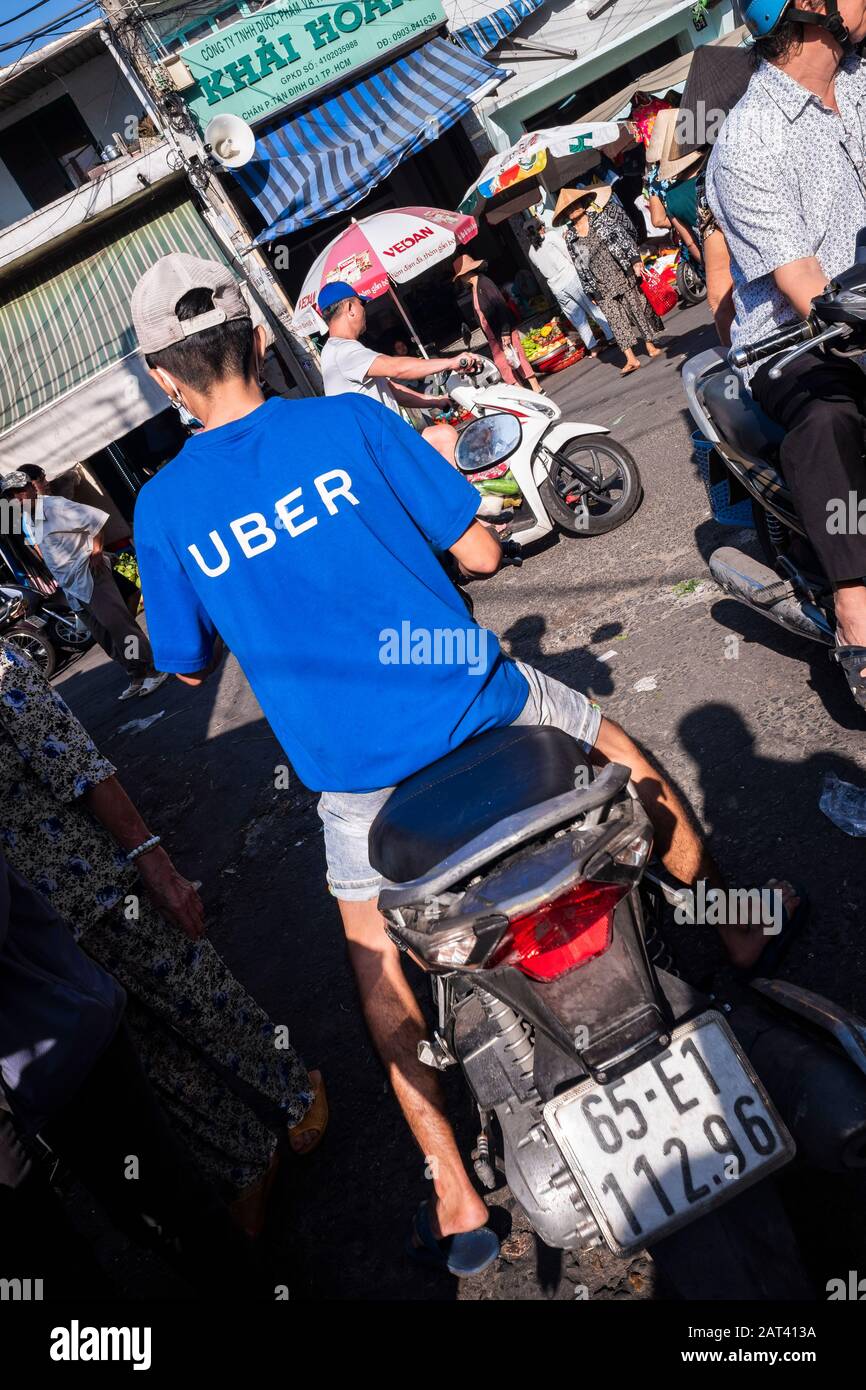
x=443, y=438
x=678, y=844
x=397, y=1026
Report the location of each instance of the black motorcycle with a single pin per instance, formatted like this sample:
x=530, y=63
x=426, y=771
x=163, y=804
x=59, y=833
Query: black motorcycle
x=43, y=626
x=625, y=1107
x=790, y=588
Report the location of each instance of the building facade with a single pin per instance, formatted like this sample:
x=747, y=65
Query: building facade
x=567, y=56
x=91, y=193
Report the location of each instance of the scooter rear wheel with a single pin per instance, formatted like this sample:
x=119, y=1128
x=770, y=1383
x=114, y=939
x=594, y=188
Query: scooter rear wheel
x=614, y=490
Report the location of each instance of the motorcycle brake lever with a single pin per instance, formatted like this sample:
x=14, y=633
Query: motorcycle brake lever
x=839, y=330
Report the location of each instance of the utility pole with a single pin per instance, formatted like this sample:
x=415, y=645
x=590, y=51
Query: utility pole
x=129, y=47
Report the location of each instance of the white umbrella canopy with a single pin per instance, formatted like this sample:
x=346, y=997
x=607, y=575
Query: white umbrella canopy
x=395, y=245
x=510, y=180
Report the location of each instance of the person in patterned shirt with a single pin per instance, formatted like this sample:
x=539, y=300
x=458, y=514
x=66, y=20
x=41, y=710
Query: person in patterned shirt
x=787, y=184
x=67, y=825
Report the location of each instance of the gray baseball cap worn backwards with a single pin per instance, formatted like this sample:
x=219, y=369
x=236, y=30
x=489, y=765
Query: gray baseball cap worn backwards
x=155, y=298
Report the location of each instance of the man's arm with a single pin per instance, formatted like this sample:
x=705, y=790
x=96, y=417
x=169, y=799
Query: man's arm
x=478, y=551
x=404, y=395
x=800, y=281
x=197, y=678
x=411, y=368
x=760, y=214
x=182, y=634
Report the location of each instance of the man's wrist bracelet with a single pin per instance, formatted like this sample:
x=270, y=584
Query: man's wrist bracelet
x=144, y=848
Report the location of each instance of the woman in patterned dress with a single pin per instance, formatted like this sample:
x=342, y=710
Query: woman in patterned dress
x=601, y=242
x=224, y=1073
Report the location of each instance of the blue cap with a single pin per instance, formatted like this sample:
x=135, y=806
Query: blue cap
x=335, y=291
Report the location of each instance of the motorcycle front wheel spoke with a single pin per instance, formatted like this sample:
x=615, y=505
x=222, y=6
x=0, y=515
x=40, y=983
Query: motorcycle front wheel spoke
x=599, y=489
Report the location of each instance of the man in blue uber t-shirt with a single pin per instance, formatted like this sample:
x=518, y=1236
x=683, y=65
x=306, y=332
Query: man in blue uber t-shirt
x=303, y=532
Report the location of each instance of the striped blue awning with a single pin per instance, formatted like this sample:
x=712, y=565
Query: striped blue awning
x=486, y=33
x=328, y=159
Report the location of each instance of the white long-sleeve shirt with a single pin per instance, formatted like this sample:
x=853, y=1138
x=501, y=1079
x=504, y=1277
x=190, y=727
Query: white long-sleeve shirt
x=552, y=259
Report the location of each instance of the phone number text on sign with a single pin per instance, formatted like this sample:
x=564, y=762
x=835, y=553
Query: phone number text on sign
x=407, y=30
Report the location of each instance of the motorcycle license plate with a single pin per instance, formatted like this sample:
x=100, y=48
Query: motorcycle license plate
x=35, y=621
x=672, y=1139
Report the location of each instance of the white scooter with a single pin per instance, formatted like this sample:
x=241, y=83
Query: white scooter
x=569, y=476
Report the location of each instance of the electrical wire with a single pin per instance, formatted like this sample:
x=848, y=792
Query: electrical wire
x=16, y=65
x=78, y=13
x=22, y=14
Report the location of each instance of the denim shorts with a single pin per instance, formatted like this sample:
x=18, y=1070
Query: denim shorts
x=347, y=816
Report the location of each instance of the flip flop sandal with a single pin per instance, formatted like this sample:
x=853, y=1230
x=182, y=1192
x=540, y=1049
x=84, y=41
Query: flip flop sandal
x=315, y=1118
x=778, y=946
x=467, y=1253
x=853, y=661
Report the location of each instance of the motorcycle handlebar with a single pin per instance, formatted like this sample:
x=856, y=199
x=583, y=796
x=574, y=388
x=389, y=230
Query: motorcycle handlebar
x=783, y=338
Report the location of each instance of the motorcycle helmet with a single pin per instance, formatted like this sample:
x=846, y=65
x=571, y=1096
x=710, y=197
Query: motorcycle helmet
x=762, y=17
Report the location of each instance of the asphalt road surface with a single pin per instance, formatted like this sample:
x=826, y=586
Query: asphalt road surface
x=747, y=729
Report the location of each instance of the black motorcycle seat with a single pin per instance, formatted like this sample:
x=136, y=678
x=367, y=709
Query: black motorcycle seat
x=739, y=418
x=436, y=811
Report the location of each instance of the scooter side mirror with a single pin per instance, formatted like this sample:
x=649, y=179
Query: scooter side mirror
x=488, y=441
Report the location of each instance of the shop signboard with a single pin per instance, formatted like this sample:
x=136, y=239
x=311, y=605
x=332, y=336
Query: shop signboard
x=291, y=49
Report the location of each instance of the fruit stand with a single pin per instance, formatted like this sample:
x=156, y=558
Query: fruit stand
x=548, y=349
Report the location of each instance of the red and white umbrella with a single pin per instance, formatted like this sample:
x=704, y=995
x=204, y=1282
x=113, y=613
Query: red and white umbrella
x=396, y=245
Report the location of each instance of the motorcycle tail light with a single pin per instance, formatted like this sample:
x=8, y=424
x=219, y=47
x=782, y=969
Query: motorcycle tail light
x=563, y=934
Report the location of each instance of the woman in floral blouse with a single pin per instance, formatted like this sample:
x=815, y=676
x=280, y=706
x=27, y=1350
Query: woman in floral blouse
x=217, y=1061
x=600, y=239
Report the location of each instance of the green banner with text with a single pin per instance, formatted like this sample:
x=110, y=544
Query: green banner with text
x=286, y=51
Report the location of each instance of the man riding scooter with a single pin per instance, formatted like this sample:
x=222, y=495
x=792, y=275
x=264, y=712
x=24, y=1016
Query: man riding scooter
x=787, y=184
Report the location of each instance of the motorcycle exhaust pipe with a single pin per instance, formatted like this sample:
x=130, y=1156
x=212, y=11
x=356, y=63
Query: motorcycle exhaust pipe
x=755, y=584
